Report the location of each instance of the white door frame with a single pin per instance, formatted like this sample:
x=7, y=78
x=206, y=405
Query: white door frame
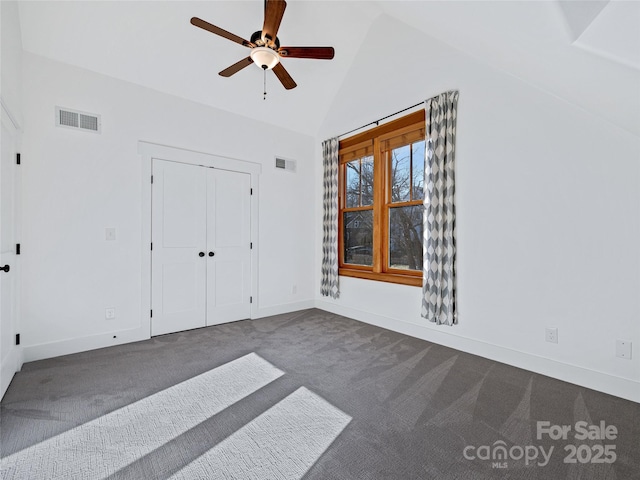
x=148, y=151
x=13, y=359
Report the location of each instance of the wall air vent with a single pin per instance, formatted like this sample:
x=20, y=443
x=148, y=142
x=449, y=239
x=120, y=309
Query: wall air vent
x=285, y=164
x=75, y=119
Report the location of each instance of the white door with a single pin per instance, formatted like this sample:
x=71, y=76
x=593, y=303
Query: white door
x=201, y=272
x=9, y=357
x=228, y=238
x=179, y=236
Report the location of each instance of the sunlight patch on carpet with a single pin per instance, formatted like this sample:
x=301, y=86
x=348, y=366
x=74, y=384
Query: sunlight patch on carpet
x=103, y=446
x=282, y=443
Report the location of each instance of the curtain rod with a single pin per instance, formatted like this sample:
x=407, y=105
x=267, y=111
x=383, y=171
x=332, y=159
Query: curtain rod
x=377, y=122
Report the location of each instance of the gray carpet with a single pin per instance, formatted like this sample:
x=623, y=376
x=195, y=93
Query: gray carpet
x=304, y=395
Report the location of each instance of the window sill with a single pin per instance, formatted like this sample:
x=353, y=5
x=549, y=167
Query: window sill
x=412, y=280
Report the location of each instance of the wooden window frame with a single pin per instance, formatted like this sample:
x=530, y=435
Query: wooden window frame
x=374, y=139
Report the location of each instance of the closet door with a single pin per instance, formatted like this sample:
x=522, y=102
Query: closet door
x=228, y=246
x=179, y=235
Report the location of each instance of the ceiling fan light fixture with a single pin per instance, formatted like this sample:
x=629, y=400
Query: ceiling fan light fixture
x=264, y=57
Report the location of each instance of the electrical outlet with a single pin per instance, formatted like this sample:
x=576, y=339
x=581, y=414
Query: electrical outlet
x=623, y=349
x=294, y=289
x=109, y=313
x=110, y=234
x=551, y=335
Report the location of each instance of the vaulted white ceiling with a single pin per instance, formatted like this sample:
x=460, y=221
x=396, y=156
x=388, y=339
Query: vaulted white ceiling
x=570, y=49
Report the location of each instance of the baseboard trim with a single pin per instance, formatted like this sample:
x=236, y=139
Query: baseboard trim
x=83, y=344
x=11, y=363
x=284, y=308
x=109, y=339
x=602, y=382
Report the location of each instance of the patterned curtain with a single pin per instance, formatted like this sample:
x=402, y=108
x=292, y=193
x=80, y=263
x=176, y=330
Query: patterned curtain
x=329, y=284
x=439, y=242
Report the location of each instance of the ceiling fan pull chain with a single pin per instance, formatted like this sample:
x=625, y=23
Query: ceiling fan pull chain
x=264, y=96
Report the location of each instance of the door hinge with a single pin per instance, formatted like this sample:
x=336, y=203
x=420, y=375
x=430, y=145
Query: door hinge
x=251, y=245
x=17, y=249
x=151, y=178
x=250, y=299
x=17, y=339
x=151, y=245
x=151, y=313
x=17, y=159
x=251, y=192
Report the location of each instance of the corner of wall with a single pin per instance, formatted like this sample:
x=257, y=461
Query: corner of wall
x=11, y=364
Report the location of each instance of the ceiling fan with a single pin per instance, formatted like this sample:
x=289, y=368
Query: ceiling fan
x=266, y=51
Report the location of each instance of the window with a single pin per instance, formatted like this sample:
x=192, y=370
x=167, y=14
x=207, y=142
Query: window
x=380, y=199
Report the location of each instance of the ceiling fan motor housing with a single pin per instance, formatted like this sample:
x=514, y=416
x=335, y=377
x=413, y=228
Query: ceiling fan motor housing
x=256, y=39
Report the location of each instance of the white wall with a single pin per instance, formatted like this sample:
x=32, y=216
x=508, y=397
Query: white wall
x=11, y=55
x=78, y=183
x=548, y=216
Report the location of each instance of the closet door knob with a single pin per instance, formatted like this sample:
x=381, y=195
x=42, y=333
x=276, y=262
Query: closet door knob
x=211, y=254
x=201, y=254
x=6, y=268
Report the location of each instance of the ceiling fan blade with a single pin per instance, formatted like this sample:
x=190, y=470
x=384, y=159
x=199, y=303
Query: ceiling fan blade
x=322, y=53
x=236, y=67
x=274, y=10
x=219, y=31
x=284, y=77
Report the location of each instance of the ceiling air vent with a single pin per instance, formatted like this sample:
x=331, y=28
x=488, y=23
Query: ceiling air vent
x=285, y=164
x=75, y=119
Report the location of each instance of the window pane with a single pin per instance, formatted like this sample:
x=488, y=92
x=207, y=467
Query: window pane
x=405, y=237
x=401, y=174
x=358, y=237
x=418, y=170
x=353, y=183
x=367, y=181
